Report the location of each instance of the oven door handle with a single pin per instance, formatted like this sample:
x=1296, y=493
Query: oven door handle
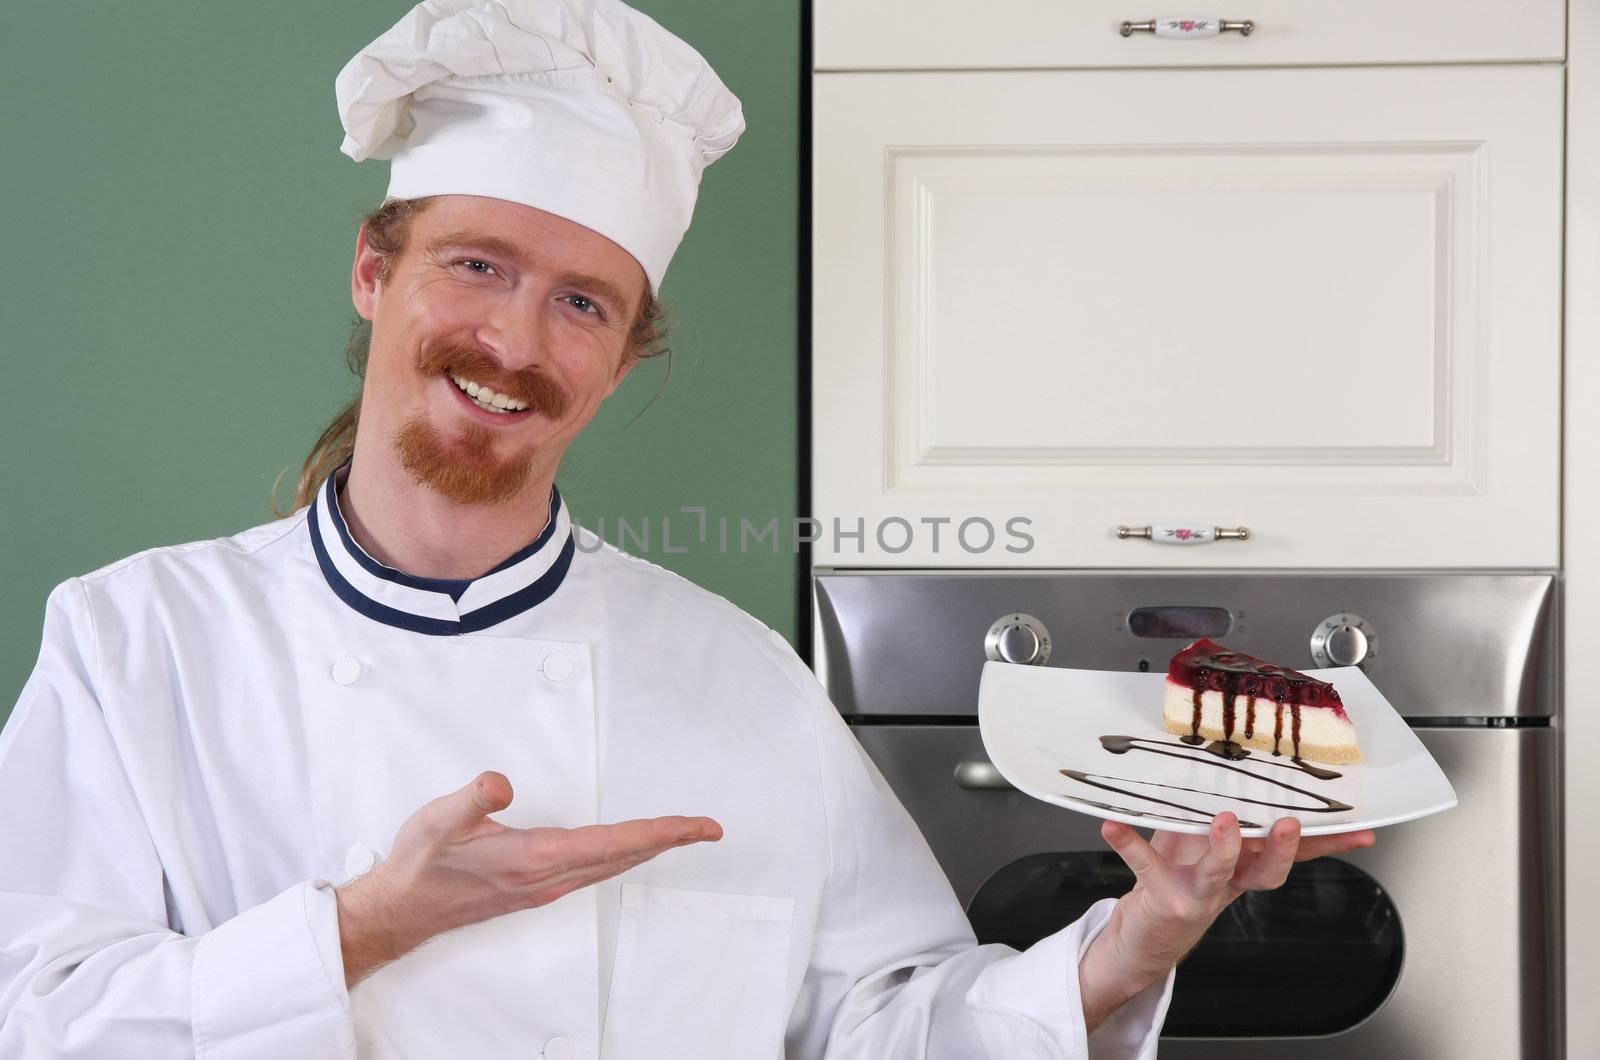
x=981, y=776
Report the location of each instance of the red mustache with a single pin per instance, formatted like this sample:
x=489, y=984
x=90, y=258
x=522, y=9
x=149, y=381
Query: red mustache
x=529, y=385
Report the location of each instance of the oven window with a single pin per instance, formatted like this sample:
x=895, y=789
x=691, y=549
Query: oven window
x=1316, y=956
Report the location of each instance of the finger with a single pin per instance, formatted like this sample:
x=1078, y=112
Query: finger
x=1218, y=862
x=549, y=888
x=489, y=792
x=563, y=878
x=697, y=829
x=650, y=837
x=626, y=841
x=1321, y=845
x=1130, y=846
x=1269, y=868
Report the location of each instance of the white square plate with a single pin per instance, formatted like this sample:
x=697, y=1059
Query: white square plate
x=1037, y=721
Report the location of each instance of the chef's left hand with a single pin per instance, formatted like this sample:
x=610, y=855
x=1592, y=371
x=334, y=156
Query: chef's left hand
x=1182, y=883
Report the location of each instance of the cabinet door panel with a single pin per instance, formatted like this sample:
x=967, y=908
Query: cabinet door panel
x=1319, y=303
x=1011, y=34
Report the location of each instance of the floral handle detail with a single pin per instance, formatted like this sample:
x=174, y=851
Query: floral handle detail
x=1184, y=533
x=1175, y=26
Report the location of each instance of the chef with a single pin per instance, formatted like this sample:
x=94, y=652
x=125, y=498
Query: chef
x=425, y=769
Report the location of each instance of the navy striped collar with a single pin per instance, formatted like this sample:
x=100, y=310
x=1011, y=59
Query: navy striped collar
x=438, y=606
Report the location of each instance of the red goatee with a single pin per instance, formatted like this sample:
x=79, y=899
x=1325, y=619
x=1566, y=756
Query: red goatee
x=465, y=466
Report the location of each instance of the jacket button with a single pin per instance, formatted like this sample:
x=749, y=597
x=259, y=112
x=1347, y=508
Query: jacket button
x=557, y=667
x=559, y=1049
x=346, y=670
x=359, y=860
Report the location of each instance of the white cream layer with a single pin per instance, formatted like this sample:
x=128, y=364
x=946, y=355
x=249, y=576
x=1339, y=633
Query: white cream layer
x=1319, y=726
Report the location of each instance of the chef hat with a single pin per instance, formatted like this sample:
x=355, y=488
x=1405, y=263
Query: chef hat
x=583, y=108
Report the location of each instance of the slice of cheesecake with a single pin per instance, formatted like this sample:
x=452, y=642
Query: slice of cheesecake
x=1214, y=693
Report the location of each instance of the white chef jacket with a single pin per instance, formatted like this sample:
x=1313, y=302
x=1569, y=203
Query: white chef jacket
x=218, y=733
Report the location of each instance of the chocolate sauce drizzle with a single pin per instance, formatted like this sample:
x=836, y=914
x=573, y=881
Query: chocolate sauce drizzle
x=1328, y=805
x=1131, y=812
x=1083, y=778
x=1119, y=745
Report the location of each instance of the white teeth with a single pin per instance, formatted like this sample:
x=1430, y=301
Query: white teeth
x=485, y=398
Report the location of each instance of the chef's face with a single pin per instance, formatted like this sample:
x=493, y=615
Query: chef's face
x=525, y=308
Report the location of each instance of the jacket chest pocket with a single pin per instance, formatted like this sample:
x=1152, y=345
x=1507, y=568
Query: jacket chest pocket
x=698, y=975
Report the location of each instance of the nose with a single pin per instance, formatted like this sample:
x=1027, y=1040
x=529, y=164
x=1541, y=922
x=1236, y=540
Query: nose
x=517, y=332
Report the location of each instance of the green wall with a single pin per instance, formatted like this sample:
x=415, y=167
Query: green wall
x=178, y=226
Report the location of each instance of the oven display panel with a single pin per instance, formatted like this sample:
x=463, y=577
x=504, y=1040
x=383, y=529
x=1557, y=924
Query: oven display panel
x=1180, y=623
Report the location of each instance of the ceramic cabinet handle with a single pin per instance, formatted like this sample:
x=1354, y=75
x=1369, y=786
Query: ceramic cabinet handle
x=1185, y=533
x=1188, y=26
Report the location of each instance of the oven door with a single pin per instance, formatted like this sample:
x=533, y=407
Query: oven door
x=1440, y=941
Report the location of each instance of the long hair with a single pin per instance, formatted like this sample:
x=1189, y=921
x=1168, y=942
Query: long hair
x=388, y=229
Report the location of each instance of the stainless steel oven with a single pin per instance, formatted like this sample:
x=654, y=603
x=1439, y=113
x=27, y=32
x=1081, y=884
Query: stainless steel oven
x=1442, y=941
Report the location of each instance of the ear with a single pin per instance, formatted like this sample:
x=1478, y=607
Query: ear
x=364, y=283
x=628, y=361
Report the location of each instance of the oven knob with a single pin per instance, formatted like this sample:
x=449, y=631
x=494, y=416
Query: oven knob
x=1343, y=640
x=1017, y=638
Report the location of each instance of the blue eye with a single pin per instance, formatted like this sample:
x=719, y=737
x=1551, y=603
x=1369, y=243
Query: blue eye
x=593, y=309
x=475, y=261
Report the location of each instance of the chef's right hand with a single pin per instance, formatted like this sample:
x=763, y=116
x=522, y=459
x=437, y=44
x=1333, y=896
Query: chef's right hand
x=451, y=865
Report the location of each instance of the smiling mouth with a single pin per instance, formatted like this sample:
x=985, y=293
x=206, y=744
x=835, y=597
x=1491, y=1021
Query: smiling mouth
x=486, y=399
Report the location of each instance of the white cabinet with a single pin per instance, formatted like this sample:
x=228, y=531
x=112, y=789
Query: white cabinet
x=1321, y=303
x=1015, y=34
